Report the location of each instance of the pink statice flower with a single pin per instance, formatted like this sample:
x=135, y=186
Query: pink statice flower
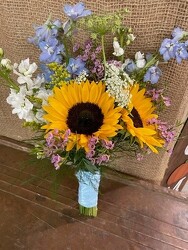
x=56, y=160
x=170, y=150
x=102, y=159
x=92, y=144
x=55, y=141
x=166, y=132
x=66, y=136
x=108, y=144
x=92, y=155
x=50, y=139
x=157, y=96
x=166, y=101
x=139, y=157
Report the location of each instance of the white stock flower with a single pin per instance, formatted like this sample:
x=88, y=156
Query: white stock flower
x=118, y=51
x=39, y=116
x=43, y=94
x=21, y=105
x=37, y=82
x=24, y=79
x=25, y=71
x=32, y=84
x=140, y=60
x=6, y=63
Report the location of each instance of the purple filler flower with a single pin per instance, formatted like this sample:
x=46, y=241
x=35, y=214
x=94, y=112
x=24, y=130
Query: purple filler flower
x=51, y=51
x=167, y=49
x=76, y=66
x=152, y=75
x=76, y=11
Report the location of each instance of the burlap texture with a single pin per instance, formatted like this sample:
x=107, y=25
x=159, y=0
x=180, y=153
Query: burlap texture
x=151, y=21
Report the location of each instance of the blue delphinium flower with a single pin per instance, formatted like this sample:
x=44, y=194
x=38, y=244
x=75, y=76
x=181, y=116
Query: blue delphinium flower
x=76, y=11
x=51, y=51
x=130, y=66
x=46, y=31
x=167, y=49
x=76, y=66
x=46, y=72
x=180, y=52
x=178, y=34
x=149, y=56
x=152, y=75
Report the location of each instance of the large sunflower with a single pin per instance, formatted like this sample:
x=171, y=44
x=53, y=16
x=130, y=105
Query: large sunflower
x=86, y=109
x=136, y=120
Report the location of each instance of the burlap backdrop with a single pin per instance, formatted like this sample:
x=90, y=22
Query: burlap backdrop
x=151, y=21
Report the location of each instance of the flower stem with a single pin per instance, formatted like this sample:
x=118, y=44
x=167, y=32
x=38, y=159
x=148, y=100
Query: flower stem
x=103, y=50
x=122, y=46
x=9, y=81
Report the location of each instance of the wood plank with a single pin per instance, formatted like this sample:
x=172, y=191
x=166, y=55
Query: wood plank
x=131, y=216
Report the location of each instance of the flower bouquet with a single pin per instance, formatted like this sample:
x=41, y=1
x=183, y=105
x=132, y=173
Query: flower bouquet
x=85, y=103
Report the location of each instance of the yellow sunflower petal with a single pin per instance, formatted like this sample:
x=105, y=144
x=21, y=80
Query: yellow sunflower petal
x=85, y=92
x=95, y=92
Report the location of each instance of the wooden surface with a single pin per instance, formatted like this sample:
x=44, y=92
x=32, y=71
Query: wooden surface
x=178, y=156
x=132, y=215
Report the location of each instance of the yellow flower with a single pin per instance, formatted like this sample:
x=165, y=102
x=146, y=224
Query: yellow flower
x=86, y=109
x=136, y=120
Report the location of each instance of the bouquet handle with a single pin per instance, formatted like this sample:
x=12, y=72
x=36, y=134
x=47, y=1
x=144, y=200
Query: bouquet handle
x=88, y=192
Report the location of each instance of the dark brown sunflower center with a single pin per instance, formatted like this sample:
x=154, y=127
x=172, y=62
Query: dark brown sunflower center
x=136, y=118
x=85, y=118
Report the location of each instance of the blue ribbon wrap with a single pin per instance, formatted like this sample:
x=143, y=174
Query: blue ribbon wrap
x=88, y=188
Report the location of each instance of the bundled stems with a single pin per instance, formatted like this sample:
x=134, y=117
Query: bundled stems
x=91, y=211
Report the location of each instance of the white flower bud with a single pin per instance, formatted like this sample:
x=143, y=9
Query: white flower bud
x=128, y=42
x=131, y=37
x=1, y=52
x=6, y=63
